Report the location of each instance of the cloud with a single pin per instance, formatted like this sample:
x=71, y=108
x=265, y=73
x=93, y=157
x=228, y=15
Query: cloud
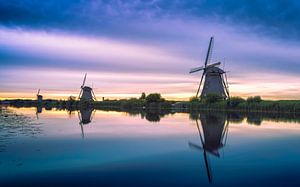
x=278, y=18
x=145, y=42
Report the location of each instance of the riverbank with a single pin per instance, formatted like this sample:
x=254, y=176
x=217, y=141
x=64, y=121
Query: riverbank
x=235, y=104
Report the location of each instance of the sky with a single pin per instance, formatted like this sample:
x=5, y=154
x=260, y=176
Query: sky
x=135, y=46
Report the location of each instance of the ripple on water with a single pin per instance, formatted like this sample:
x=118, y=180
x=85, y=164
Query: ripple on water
x=13, y=124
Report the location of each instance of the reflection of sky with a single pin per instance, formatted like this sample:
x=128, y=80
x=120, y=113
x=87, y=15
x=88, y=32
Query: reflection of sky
x=122, y=124
x=117, y=145
x=129, y=48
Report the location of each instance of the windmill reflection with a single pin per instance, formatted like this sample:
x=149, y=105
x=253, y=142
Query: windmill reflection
x=39, y=110
x=212, y=137
x=85, y=116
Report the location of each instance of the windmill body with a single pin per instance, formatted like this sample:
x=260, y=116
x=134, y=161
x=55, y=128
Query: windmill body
x=86, y=92
x=214, y=82
x=215, y=77
x=39, y=97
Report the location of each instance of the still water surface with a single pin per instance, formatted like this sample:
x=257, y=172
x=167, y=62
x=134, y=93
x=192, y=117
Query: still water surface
x=107, y=148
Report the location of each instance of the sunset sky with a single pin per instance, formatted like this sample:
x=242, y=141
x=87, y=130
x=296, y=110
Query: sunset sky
x=130, y=47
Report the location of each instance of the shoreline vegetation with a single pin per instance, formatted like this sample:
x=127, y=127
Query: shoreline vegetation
x=154, y=101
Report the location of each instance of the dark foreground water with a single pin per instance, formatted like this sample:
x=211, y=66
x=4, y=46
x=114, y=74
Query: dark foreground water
x=88, y=148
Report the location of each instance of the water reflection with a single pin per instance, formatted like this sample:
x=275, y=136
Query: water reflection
x=15, y=125
x=213, y=135
x=39, y=110
x=85, y=116
x=136, y=149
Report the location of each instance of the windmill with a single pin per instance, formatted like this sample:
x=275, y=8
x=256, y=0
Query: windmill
x=215, y=131
x=86, y=92
x=39, y=97
x=215, y=78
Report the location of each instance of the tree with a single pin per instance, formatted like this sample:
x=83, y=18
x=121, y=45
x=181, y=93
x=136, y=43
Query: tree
x=255, y=99
x=154, y=98
x=235, y=101
x=194, y=99
x=143, y=96
x=71, y=98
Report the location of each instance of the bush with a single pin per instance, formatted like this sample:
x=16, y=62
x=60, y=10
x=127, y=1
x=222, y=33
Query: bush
x=235, y=101
x=143, y=96
x=71, y=98
x=194, y=99
x=213, y=98
x=255, y=99
x=154, y=98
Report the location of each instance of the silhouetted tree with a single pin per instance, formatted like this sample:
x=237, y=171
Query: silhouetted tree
x=255, y=99
x=143, y=96
x=154, y=98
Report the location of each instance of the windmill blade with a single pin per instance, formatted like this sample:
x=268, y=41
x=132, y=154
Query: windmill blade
x=200, y=83
x=38, y=92
x=94, y=95
x=79, y=116
x=199, y=131
x=225, y=82
x=208, y=168
x=225, y=133
x=80, y=93
x=84, y=80
x=193, y=70
x=209, y=51
x=192, y=145
x=225, y=74
x=93, y=114
x=82, y=130
x=225, y=87
x=214, y=64
x=81, y=124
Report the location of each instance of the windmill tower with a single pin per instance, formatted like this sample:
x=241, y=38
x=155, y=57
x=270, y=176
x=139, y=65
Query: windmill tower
x=86, y=92
x=215, y=78
x=39, y=97
x=213, y=137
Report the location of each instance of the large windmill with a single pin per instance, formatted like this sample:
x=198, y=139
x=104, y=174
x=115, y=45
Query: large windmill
x=215, y=78
x=86, y=92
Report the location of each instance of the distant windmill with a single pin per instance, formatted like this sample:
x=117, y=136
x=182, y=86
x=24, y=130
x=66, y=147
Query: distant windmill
x=86, y=92
x=215, y=82
x=39, y=97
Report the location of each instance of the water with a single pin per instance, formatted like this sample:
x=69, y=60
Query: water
x=108, y=148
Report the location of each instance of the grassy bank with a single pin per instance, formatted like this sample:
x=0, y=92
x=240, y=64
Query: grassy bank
x=155, y=101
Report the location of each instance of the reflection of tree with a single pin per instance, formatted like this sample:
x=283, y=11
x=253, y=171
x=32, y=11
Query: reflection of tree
x=154, y=115
x=212, y=137
x=254, y=119
x=13, y=124
x=235, y=117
